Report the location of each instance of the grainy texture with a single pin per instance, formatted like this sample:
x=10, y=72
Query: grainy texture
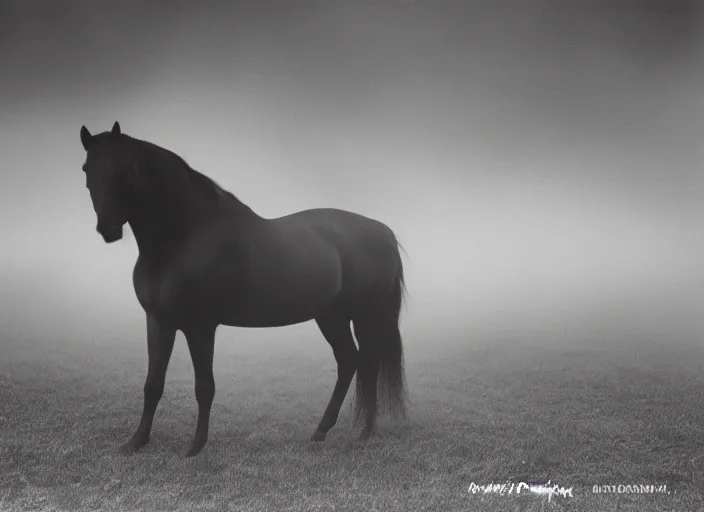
x=581, y=416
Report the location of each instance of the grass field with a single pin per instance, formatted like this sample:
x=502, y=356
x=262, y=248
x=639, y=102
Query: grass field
x=522, y=410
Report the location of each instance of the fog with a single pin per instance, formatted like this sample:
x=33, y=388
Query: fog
x=540, y=163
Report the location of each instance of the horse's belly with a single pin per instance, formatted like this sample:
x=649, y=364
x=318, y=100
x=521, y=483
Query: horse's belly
x=286, y=308
x=286, y=290
x=269, y=315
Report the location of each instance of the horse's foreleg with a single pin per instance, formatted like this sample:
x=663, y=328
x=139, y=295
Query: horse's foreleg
x=201, y=344
x=160, y=343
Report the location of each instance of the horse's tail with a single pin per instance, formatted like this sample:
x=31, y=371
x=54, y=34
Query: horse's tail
x=392, y=380
x=388, y=355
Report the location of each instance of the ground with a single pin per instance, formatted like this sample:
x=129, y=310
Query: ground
x=512, y=409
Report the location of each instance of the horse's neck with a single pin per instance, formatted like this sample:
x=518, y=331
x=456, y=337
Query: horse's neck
x=166, y=214
x=167, y=217
x=171, y=208
x=156, y=233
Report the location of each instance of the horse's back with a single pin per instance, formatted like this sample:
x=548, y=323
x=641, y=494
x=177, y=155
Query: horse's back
x=342, y=226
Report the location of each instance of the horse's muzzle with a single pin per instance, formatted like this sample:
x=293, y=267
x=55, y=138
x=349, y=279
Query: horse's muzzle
x=110, y=232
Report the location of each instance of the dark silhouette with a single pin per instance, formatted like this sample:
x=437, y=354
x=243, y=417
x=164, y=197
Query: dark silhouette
x=206, y=259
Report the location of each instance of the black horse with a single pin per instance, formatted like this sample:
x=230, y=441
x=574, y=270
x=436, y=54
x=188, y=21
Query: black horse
x=206, y=259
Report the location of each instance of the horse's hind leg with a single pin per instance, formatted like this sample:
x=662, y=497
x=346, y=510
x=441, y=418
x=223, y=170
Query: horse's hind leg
x=336, y=329
x=201, y=345
x=160, y=343
x=366, y=331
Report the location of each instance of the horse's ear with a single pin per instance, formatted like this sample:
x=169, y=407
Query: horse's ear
x=116, y=129
x=86, y=138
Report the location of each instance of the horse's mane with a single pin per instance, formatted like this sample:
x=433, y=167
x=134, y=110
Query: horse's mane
x=203, y=181
x=166, y=159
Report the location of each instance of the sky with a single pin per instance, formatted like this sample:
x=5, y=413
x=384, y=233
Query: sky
x=540, y=162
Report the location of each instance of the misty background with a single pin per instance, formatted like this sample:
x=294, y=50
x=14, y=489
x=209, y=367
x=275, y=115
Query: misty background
x=540, y=162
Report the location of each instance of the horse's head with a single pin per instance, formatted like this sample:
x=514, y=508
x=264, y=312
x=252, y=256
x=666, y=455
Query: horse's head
x=109, y=171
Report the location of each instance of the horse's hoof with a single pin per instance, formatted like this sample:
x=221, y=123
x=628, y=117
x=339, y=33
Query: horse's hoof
x=131, y=446
x=194, y=449
x=318, y=435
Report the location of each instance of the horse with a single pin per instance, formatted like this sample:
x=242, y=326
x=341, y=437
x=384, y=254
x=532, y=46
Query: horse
x=207, y=259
